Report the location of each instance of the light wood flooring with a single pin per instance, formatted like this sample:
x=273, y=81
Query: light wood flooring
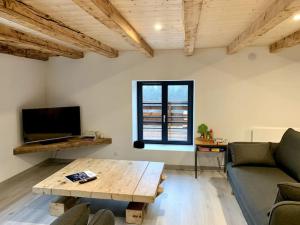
x=185, y=201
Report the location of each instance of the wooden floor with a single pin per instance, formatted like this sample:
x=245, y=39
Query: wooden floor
x=185, y=201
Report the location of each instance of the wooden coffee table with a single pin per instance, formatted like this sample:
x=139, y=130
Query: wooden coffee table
x=137, y=182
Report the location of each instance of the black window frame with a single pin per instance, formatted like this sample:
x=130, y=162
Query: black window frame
x=165, y=85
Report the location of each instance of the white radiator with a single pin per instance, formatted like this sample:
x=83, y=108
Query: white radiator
x=266, y=134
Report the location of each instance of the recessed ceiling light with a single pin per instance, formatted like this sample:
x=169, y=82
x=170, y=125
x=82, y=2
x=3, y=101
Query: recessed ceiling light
x=158, y=26
x=296, y=17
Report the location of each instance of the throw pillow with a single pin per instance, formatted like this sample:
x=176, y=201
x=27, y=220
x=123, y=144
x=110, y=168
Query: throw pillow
x=288, y=192
x=252, y=154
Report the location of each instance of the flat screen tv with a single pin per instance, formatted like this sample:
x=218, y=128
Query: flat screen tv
x=48, y=124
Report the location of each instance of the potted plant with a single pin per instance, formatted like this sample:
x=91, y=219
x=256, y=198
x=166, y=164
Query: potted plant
x=203, y=130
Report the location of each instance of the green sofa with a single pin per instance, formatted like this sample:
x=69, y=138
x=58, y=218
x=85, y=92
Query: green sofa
x=254, y=182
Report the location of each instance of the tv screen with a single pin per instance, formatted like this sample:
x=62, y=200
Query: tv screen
x=50, y=123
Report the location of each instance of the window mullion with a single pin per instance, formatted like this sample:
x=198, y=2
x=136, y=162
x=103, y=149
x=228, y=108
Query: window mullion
x=190, y=112
x=140, y=110
x=164, y=112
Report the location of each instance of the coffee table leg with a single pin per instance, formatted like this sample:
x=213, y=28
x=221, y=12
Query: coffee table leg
x=219, y=163
x=196, y=163
x=61, y=205
x=135, y=212
x=225, y=159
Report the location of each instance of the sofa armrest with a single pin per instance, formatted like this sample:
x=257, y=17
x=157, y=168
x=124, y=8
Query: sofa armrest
x=286, y=212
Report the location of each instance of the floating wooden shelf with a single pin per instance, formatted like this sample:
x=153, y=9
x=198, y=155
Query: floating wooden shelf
x=65, y=145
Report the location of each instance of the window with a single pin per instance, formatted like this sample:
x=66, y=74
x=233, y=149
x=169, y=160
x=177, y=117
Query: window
x=165, y=112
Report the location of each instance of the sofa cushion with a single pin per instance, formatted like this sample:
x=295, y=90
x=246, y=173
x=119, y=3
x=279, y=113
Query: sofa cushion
x=255, y=189
x=78, y=215
x=252, y=154
x=288, y=192
x=287, y=155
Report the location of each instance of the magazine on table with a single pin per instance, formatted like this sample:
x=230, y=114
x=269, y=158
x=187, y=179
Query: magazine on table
x=85, y=175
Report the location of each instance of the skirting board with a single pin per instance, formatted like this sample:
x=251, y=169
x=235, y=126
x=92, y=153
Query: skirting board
x=167, y=166
x=52, y=161
x=190, y=168
x=59, y=160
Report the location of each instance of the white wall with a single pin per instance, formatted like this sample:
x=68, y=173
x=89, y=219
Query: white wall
x=22, y=84
x=233, y=94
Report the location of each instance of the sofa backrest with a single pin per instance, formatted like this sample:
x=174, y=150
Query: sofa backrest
x=287, y=155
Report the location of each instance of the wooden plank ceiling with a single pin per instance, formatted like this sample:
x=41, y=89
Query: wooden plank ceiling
x=41, y=29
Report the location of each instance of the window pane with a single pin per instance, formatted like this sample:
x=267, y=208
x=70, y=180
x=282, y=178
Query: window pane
x=152, y=93
x=178, y=93
x=177, y=112
x=152, y=112
x=152, y=123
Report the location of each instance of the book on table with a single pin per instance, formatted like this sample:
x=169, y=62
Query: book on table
x=201, y=149
x=215, y=150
